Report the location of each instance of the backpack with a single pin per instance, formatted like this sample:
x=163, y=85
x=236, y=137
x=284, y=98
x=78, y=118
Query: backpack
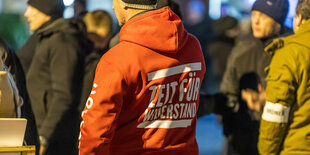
x=10, y=101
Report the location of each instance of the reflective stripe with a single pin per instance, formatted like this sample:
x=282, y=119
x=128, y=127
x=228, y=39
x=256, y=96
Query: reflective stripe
x=275, y=112
x=166, y=124
x=174, y=71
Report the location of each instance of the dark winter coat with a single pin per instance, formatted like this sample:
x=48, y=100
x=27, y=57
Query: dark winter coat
x=54, y=83
x=91, y=62
x=218, y=52
x=26, y=53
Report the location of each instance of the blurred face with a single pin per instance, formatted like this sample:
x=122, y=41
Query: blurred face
x=35, y=18
x=119, y=12
x=264, y=26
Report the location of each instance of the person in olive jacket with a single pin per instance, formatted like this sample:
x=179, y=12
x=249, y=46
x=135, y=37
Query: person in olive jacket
x=285, y=124
x=55, y=77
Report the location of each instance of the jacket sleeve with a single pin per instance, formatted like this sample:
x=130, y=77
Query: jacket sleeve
x=230, y=82
x=281, y=89
x=102, y=110
x=63, y=61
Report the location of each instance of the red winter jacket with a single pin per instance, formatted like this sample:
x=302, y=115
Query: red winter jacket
x=146, y=91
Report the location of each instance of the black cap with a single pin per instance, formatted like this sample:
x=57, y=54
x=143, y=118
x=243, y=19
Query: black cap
x=276, y=9
x=53, y=8
x=225, y=23
x=141, y=4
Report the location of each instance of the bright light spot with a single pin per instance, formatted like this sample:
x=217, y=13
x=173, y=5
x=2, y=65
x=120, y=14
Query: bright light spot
x=68, y=2
x=251, y=2
x=215, y=9
x=196, y=11
x=291, y=14
x=69, y=12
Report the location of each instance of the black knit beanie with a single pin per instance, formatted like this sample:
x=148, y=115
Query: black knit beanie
x=53, y=8
x=276, y=9
x=225, y=23
x=140, y=4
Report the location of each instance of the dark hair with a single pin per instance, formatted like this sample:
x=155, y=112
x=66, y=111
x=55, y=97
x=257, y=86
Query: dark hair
x=223, y=24
x=303, y=9
x=175, y=8
x=172, y=4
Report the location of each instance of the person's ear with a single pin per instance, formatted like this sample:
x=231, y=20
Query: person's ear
x=299, y=20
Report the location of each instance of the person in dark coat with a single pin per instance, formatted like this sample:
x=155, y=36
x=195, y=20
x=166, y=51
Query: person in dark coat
x=55, y=76
x=12, y=62
x=27, y=51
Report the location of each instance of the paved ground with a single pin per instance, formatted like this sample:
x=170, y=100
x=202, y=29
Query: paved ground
x=209, y=135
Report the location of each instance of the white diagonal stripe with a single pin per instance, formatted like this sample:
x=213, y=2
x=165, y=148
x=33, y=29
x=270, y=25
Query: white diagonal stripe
x=166, y=124
x=173, y=71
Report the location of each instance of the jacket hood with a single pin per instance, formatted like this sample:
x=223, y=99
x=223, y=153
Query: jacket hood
x=303, y=34
x=160, y=30
x=301, y=37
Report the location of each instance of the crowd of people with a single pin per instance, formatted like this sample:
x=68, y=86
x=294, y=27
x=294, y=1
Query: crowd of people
x=85, y=89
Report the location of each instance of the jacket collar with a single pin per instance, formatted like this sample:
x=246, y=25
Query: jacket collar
x=60, y=25
x=298, y=37
x=305, y=27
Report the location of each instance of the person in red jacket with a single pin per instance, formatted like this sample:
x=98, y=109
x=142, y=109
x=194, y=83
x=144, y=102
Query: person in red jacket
x=146, y=89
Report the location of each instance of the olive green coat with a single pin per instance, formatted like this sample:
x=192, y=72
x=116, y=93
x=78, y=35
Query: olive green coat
x=285, y=125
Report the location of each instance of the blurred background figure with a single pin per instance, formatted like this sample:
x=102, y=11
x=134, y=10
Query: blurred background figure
x=226, y=31
x=198, y=23
x=13, y=66
x=99, y=25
